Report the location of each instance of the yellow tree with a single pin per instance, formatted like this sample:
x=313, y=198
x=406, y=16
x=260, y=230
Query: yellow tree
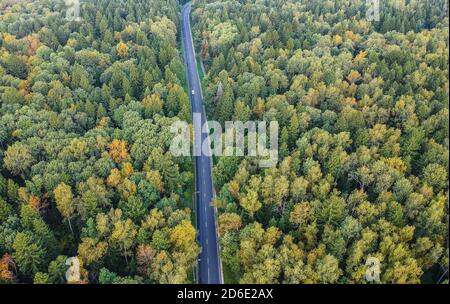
x=233, y=187
x=127, y=169
x=18, y=159
x=64, y=201
x=250, y=202
x=183, y=235
x=123, y=236
x=114, y=178
x=229, y=222
x=122, y=49
x=118, y=150
x=91, y=250
x=152, y=104
x=155, y=178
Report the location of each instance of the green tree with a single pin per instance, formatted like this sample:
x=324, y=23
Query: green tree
x=28, y=254
x=64, y=202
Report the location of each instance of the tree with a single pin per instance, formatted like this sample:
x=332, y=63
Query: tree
x=64, y=202
x=160, y=240
x=144, y=258
x=250, y=202
x=164, y=29
x=80, y=78
x=302, y=214
x=436, y=176
x=92, y=250
x=118, y=150
x=229, y=222
x=183, y=235
x=133, y=208
x=41, y=278
x=5, y=210
x=225, y=105
x=152, y=105
x=299, y=188
x=107, y=277
x=122, y=49
x=28, y=254
x=7, y=269
x=114, y=179
x=18, y=159
x=16, y=66
x=57, y=270
x=229, y=246
x=165, y=271
x=155, y=179
x=328, y=269
x=123, y=236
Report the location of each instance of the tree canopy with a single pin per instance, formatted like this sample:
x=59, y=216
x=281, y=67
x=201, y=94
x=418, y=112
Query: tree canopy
x=85, y=115
x=363, y=143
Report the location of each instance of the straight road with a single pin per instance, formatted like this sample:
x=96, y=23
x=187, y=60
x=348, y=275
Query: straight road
x=209, y=265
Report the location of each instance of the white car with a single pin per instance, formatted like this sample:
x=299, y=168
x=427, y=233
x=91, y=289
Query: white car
x=193, y=92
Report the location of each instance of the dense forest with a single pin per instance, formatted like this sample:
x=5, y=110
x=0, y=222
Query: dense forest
x=364, y=138
x=85, y=115
x=363, y=107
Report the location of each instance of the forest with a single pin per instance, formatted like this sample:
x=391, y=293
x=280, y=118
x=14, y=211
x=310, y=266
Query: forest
x=85, y=115
x=363, y=108
x=363, y=112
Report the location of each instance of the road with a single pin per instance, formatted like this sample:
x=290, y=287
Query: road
x=209, y=265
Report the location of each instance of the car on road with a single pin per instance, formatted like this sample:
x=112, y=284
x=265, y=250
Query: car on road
x=193, y=92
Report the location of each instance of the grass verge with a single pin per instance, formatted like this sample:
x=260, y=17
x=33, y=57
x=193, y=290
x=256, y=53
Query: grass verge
x=229, y=277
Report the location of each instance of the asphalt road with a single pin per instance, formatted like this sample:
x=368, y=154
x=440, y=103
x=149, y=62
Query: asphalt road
x=209, y=265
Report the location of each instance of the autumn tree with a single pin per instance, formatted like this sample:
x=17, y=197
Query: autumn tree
x=64, y=202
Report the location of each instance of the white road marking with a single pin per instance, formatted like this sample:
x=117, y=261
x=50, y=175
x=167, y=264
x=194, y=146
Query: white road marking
x=209, y=269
